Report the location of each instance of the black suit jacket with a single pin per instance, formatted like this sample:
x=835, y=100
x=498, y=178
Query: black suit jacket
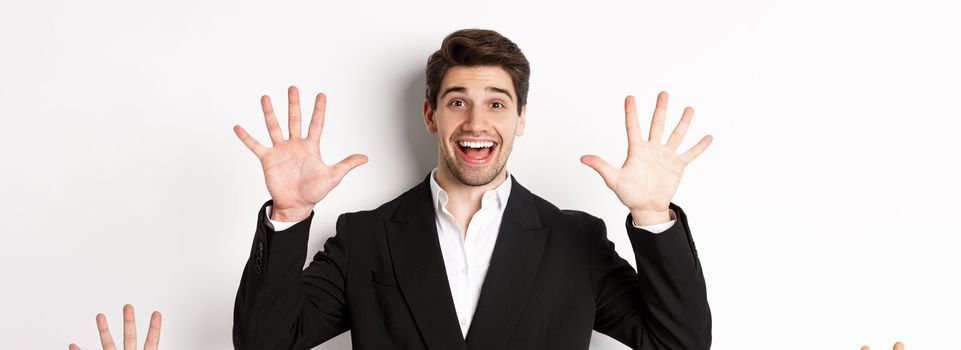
x=553, y=277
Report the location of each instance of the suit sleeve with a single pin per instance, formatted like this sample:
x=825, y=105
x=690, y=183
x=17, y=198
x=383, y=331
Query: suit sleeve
x=279, y=304
x=662, y=305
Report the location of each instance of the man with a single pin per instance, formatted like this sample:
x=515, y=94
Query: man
x=469, y=258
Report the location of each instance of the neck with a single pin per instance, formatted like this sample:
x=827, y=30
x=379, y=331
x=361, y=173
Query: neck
x=458, y=192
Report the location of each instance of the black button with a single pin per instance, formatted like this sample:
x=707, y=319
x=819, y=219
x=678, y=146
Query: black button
x=259, y=257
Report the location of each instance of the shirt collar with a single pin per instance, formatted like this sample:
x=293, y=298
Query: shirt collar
x=499, y=194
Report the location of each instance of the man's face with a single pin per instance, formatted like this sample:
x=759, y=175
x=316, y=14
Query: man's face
x=475, y=122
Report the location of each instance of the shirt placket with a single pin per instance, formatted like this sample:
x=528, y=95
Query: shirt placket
x=462, y=280
x=468, y=251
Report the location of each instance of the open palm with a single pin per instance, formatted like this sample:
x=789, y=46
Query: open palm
x=647, y=181
x=296, y=175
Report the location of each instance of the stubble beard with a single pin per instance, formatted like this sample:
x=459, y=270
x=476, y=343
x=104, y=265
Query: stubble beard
x=477, y=177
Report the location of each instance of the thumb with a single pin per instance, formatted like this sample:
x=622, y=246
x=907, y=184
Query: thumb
x=347, y=164
x=607, y=172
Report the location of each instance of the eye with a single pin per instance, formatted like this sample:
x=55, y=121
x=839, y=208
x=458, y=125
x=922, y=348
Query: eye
x=456, y=103
x=497, y=105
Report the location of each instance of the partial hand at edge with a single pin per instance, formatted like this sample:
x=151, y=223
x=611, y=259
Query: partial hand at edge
x=129, y=331
x=897, y=346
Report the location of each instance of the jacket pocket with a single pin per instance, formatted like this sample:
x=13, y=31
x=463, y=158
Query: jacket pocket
x=383, y=279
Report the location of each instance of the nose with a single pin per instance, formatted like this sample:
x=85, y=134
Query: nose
x=477, y=122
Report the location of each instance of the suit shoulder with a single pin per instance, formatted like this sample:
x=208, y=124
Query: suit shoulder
x=383, y=211
x=553, y=214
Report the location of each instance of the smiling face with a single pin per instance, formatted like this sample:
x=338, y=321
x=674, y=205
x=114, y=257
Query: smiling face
x=476, y=121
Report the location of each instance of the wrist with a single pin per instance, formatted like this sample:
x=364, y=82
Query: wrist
x=646, y=217
x=293, y=214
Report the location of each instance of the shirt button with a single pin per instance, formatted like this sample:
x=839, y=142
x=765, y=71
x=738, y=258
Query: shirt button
x=463, y=321
x=463, y=271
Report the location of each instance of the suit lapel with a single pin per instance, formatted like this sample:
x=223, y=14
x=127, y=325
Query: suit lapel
x=419, y=267
x=513, y=268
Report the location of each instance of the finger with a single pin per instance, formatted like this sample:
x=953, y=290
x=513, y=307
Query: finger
x=695, y=151
x=631, y=123
x=899, y=346
x=347, y=164
x=153, y=333
x=657, y=121
x=317, y=118
x=272, y=127
x=250, y=142
x=608, y=173
x=106, y=341
x=865, y=347
x=73, y=346
x=678, y=135
x=293, y=112
x=129, y=328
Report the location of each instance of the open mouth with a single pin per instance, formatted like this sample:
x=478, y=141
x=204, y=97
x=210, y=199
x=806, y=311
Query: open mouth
x=476, y=151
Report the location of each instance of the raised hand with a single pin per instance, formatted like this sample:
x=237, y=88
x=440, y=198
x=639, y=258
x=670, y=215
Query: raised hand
x=897, y=346
x=647, y=181
x=129, y=332
x=296, y=175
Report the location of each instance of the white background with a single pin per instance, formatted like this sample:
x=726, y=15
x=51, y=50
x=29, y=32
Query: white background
x=825, y=212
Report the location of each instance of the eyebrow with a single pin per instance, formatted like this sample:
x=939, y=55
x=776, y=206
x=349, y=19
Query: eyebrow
x=505, y=92
x=489, y=89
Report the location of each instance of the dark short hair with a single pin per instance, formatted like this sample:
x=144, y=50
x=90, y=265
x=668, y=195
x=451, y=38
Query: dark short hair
x=478, y=47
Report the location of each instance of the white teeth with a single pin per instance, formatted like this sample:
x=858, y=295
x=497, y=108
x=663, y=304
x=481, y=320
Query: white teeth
x=476, y=144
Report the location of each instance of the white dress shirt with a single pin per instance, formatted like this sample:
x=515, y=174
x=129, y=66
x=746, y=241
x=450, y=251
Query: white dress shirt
x=467, y=256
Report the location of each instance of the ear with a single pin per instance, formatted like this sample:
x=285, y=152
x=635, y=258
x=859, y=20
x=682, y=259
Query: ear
x=522, y=121
x=429, y=121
